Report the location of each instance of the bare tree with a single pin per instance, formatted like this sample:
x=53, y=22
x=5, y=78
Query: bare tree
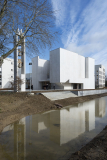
x=17, y=83
x=34, y=17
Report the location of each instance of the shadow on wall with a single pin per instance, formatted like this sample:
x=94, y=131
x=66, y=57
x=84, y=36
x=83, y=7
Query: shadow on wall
x=7, y=85
x=44, y=71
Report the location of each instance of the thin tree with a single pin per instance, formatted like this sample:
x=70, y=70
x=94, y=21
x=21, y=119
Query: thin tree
x=34, y=17
x=17, y=83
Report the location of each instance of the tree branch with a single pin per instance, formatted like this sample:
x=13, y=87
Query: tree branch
x=3, y=9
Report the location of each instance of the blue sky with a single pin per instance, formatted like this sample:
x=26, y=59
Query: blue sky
x=83, y=28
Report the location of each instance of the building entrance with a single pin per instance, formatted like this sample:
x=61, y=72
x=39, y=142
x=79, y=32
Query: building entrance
x=46, y=85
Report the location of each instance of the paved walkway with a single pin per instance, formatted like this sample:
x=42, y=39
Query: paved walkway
x=59, y=95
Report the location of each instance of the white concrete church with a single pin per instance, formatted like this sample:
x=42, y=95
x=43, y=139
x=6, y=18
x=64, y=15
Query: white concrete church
x=65, y=70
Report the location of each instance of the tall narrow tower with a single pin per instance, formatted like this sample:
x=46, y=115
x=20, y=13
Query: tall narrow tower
x=19, y=63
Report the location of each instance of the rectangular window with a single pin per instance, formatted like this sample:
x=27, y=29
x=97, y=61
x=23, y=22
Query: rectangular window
x=0, y=83
x=100, y=76
x=0, y=76
x=100, y=85
x=11, y=62
x=100, y=72
x=11, y=76
x=11, y=69
x=100, y=81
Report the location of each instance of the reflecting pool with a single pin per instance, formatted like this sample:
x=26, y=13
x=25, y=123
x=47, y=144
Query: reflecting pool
x=54, y=135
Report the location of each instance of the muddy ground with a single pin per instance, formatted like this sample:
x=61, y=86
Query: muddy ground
x=14, y=106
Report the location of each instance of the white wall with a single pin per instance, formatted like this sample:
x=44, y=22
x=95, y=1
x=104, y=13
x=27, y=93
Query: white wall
x=35, y=73
x=89, y=82
x=55, y=66
x=64, y=69
x=43, y=69
x=7, y=74
x=72, y=66
x=100, y=77
x=40, y=72
x=67, y=67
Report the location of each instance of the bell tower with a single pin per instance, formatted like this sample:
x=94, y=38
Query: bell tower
x=19, y=60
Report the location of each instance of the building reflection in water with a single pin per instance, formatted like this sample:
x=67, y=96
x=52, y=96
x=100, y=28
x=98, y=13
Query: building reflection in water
x=18, y=140
x=68, y=123
x=100, y=106
x=64, y=125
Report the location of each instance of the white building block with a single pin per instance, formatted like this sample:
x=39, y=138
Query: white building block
x=99, y=76
x=65, y=70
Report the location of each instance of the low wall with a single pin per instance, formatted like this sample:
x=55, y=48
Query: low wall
x=89, y=92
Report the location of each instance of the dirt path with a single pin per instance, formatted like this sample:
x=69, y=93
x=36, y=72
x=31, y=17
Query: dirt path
x=94, y=150
x=14, y=106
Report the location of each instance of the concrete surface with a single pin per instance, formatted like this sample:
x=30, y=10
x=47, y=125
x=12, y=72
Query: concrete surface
x=67, y=94
x=59, y=95
x=89, y=92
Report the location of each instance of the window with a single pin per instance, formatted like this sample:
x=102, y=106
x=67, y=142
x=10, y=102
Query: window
x=11, y=62
x=11, y=76
x=100, y=76
x=0, y=83
x=11, y=69
x=0, y=76
x=100, y=81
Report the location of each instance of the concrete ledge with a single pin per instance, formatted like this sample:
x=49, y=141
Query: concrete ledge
x=89, y=92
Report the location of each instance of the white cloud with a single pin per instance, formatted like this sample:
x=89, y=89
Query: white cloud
x=84, y=27
x=59, y=11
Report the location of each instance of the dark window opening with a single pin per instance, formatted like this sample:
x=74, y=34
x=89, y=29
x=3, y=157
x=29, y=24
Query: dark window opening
x=75, y=86
x=79, y=86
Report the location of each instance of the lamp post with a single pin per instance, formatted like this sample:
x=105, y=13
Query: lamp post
x=30, y=77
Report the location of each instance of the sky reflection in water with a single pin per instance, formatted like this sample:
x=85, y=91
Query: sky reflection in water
x=55, y=134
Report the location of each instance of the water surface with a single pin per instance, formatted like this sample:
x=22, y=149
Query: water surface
x=54, y=135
